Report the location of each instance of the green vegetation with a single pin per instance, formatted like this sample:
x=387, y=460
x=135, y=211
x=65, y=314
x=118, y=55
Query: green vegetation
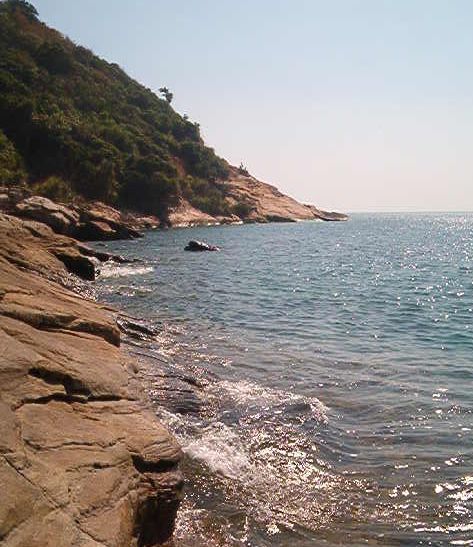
x=11, y=166
x=53, y=188
x=67, y=114
x=242, y=209
x=243, y=170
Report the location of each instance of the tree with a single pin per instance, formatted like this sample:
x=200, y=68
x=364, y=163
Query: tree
x=167, y=94
x=243, y=170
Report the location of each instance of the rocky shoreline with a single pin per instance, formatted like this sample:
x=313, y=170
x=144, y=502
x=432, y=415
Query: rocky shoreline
x=84, y=461
x=97, y=221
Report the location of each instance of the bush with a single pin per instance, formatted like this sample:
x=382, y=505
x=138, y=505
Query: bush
x=11, y=168
x=154, y=194
x=54, y=57
x=54, y=188
x=27, y=9
x=243, y=170
x=241, y=210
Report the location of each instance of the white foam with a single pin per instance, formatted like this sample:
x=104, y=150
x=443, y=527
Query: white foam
x=219, y=449
x=119, y=270
x=246, y=393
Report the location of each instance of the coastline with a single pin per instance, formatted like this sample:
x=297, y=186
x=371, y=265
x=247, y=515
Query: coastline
x=84, y=457
x=84, y=450
x=97, y=221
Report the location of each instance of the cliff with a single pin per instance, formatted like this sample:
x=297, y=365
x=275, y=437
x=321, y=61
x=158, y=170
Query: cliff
x=83, y=461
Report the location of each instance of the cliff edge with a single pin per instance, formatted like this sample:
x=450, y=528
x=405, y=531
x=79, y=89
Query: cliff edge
x=83, y=460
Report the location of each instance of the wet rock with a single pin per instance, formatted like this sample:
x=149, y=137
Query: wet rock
x=103, y=256
x=136, y=328
x=195, y=245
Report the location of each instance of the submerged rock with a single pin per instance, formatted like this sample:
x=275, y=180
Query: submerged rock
x=136, y=328
x=195, y=245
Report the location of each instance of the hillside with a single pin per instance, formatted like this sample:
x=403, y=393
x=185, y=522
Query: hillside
x=74, y=126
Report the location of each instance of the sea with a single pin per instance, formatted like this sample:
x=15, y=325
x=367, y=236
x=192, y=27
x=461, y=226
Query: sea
x=318, y=376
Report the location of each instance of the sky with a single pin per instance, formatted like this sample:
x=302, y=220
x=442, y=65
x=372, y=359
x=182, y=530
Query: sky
x=353, y=105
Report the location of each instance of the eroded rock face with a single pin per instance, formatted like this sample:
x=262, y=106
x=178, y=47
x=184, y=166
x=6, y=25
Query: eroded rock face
x=327, y=215
x=58, y=217
x=83, y=461
x=34, y=246
x=93, y=222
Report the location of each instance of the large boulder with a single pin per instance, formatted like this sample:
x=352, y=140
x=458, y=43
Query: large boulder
x=95, y=230
x=58, y=217
x=103, y=222
x=88, y=222
x=34, y=246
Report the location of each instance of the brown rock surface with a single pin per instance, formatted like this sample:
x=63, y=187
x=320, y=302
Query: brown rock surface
x=83, y=461
x=268, y=204
x=58, y=217
x=327, y=215
x=185, y=215
x=266, y=201
x=88, y=221
x=101, y=222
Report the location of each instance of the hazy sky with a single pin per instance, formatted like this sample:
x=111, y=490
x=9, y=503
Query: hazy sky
x=355, y=105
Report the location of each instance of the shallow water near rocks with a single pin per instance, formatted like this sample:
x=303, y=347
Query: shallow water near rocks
x=318, y=376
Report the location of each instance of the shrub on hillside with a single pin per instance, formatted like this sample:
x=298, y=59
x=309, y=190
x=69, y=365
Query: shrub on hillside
x=54, y=188
x=11, y=168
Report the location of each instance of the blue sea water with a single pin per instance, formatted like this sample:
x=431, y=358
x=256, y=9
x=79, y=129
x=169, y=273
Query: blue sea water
x=318, y=376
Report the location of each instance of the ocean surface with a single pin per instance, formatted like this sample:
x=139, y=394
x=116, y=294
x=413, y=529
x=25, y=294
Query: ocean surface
x=318, y=375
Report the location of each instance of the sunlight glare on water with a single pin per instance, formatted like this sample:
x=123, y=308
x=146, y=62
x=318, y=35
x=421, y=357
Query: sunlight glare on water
x=317, y=375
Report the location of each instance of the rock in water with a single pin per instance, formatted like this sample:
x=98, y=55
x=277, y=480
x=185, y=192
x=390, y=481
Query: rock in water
x=195, y=245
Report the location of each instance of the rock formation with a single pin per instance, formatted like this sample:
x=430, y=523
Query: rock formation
x=96, y=221
x=199, y=246
x=83, y=461
x=267, y=204
x=93, y=221
x=254, y=201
